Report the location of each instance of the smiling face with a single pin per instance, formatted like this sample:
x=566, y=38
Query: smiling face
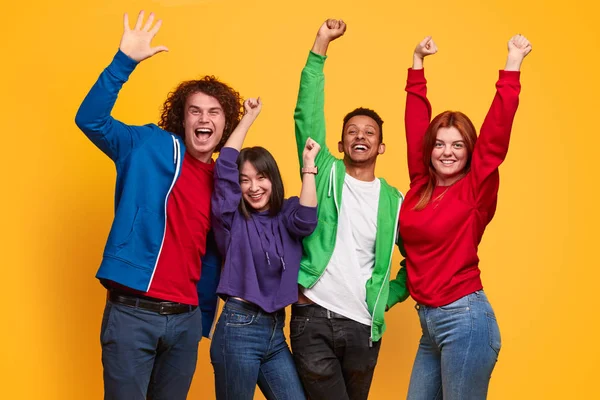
x=449, y=155
x=256, y=187
x=204, y=122
x=361, y=140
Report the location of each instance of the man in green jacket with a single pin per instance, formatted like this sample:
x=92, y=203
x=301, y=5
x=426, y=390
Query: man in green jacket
x=336, y=326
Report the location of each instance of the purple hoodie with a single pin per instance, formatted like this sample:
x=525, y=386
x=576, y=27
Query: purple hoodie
x=262, y=253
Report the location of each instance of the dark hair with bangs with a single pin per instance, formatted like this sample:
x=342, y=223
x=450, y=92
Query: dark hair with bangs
x=265, y=164
x=368, y=113
x=173, y=111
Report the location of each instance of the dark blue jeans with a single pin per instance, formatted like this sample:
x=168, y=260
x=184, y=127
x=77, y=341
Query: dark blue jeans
x=457, y=352
x=249, y=347
x=148, y=355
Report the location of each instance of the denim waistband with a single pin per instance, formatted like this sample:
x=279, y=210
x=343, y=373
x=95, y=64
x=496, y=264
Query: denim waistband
x=477, y=296
x=244, y=306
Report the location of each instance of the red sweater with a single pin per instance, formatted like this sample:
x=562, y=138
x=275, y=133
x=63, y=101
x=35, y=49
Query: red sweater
x=441, y=240
x=188, y=223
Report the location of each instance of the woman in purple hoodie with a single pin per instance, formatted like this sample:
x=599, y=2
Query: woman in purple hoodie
x=260, y=234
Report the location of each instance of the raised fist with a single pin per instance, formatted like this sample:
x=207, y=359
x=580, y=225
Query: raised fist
x=332, y=29
x=426, y=48
x=311, y=149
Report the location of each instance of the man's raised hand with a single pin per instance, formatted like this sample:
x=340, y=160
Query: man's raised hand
x=136, y=42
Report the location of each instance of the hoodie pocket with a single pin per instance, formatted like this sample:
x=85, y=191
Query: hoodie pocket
x=141, y=246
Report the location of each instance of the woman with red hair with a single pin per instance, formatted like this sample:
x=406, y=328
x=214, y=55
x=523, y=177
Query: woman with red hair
x=453, y=193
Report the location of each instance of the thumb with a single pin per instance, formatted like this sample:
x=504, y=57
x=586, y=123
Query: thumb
x=158, y=49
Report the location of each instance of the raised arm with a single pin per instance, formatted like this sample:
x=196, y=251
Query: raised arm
x=309, y=115
x=252, y=108
x=418, y=110
x=115, y=138
x=492, y=145
x=308, y=194
x=227, y=192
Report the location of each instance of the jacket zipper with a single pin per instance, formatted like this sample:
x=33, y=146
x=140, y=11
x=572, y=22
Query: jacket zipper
x=331, y=179
x=387, y=275
x=177, y=162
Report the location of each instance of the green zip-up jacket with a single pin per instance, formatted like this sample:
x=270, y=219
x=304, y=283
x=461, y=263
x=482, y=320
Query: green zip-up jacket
x=318, y=247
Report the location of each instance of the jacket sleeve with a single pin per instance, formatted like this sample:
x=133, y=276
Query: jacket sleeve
x=113, y=137
x=309, y=115
x=398, y=286
x=208, y=299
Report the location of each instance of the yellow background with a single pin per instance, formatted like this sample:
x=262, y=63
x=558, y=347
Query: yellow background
x=539, y=255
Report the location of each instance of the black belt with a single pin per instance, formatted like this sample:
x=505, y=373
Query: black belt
x=315, y=311
x=160, y=307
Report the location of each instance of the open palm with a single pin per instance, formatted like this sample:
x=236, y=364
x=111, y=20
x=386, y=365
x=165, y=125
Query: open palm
x=136, y=42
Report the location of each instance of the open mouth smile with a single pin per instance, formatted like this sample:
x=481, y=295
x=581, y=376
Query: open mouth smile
x=360, y=148
x=203, y=134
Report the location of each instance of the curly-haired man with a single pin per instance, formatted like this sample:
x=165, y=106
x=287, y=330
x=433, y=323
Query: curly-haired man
x=152, y=260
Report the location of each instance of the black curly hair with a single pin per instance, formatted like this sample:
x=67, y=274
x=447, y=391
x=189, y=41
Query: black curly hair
x=173, y=110
x=366, y=112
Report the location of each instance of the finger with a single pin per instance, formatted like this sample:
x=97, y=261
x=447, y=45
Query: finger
x=434, y=48
x=330, y=23
x=126, y=22
x=424, y=42
x=343, y=25
x=138, y=23
x=158, y=49
x=156, y=27
x=149, y=22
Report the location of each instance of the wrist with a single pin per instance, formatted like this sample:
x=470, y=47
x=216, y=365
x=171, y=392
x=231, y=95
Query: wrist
x=247, y=119
x=320, y=46
x=417, y=62
x=513, y=63
x=310, y=170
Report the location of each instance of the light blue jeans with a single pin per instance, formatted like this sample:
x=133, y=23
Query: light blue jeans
x=457, y=352
x=249, y=348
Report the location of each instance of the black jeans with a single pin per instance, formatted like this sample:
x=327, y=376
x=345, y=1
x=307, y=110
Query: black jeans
x=333, y=354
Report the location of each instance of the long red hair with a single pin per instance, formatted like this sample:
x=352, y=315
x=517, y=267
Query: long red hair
x=446, y=119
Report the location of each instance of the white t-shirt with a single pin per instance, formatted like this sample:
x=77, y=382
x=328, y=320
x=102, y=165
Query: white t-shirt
x=341, y=288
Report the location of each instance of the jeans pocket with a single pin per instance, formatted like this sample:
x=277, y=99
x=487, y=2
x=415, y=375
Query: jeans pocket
x=460, y=305
x=238, y=318
x=106, y=322
x=297, y=325
x=494, y=333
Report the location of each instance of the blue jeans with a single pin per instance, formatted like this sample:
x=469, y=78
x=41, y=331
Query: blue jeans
x=249, y=347
x=457, y=352
x=148, y=355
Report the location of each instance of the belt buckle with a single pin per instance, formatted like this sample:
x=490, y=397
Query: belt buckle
x=163, y=310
